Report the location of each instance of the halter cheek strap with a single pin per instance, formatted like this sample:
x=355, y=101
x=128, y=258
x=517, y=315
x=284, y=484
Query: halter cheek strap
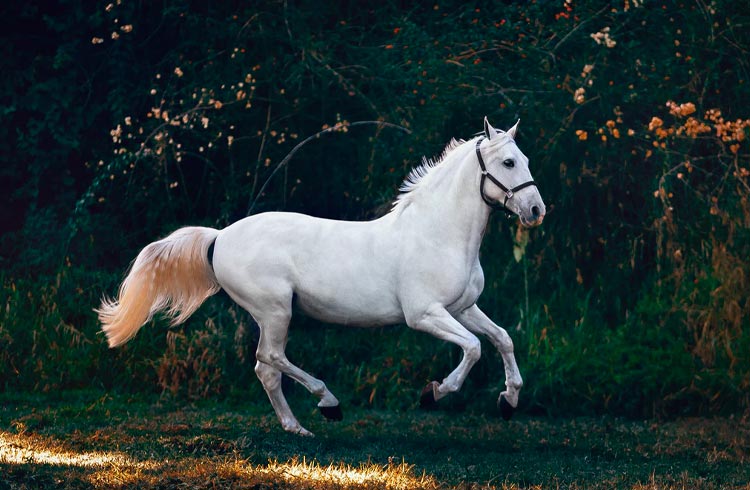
x=486, y=175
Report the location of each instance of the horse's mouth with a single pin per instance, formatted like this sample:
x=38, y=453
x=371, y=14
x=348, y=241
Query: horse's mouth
x=531, y=223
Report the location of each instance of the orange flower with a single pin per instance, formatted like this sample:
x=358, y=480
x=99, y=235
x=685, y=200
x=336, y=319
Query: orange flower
x=580, y=95
x=655, y=123
x=680, y=110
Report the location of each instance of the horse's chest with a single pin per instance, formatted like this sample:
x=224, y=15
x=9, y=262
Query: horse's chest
x=468, y=293
x=454, y=284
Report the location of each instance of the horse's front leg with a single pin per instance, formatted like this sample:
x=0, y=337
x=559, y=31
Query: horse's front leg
x=476, y=321
x=439, y=323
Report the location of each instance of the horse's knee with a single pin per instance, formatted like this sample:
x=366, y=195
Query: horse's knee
x=474, y=350
x=505, y=342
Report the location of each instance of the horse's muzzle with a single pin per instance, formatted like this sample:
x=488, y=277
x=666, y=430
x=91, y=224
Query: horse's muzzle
x=534, y=217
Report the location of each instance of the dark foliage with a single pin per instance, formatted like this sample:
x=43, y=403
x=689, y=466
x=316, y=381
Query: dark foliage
x=120, y=122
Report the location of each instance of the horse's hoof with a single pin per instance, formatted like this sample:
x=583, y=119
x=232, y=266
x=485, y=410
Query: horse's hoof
x=304, y=432
x=298, y=430
x=427, y=400
x=506, y=409
x=332, y=413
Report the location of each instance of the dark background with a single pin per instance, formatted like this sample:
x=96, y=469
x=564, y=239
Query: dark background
x=122, y=122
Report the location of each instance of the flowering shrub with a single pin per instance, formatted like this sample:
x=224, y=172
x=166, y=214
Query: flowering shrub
x=157, y=116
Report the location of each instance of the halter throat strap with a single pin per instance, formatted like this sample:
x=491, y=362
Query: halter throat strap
x=487, y=175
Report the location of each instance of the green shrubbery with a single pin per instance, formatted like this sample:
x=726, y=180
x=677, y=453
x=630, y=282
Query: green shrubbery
x=631, y=298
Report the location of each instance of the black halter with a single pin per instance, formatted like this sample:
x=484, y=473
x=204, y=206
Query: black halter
x=508, y=192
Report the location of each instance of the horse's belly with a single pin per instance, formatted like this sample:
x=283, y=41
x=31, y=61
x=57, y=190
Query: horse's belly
x=349, y=306
x=348, y=292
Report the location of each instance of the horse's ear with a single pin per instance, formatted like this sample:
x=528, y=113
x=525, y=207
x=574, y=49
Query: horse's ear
x=489, y=131
x=512, y=131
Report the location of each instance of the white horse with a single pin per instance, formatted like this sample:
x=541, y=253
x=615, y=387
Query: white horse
x=418, y=264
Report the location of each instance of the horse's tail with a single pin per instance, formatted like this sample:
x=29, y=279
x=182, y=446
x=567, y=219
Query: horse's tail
x=172, y=274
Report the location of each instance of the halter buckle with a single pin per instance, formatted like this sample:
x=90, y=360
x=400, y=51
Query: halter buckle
x=508, y=195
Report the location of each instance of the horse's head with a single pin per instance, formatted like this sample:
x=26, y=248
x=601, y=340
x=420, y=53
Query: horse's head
x=507, y=169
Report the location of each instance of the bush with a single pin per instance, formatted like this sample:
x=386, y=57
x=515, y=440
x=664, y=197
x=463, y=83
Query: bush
x=631, y=298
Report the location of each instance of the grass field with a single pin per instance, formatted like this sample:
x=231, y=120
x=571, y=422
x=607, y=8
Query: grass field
x=96, y=439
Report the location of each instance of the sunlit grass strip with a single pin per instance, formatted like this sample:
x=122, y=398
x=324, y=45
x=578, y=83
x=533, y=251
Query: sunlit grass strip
x=366, y=475
x=19, y=449
x=292, y=475
x=117, y=468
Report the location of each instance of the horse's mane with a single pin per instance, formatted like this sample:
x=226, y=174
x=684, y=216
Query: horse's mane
x=411, y=182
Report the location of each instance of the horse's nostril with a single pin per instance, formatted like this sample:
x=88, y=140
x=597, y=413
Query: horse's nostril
x=535, y=211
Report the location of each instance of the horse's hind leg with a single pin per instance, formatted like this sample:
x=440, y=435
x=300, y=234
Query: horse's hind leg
x=270, y=377
x=273, y=313
x=271, y=345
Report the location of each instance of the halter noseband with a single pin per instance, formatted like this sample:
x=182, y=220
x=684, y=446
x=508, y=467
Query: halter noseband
x=508, y=192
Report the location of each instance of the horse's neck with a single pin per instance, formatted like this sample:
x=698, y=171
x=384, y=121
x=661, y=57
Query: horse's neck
x=450, y=210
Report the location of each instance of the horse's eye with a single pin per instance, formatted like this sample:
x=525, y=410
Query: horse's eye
x=509, y=163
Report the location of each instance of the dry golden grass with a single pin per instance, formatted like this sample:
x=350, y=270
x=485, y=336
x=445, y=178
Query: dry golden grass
x=104, y=469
